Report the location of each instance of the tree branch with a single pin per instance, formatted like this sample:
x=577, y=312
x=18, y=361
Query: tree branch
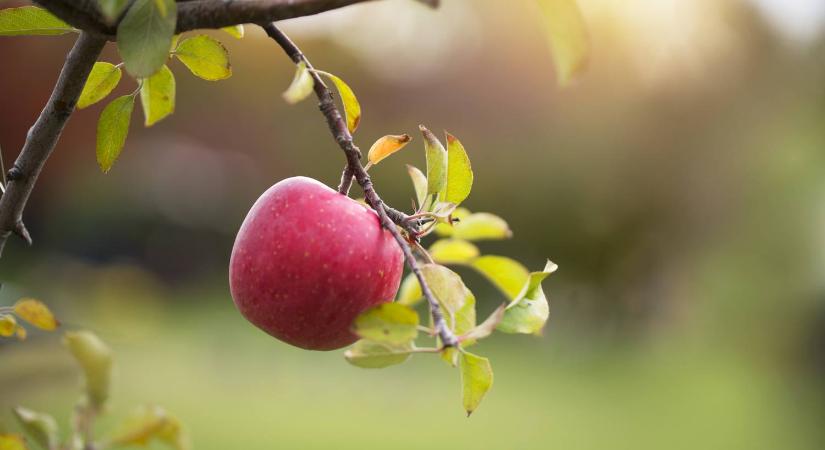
x=43, y=135
x=84, y=15
x=339, y=130
x=81, y=14
x=221, y=13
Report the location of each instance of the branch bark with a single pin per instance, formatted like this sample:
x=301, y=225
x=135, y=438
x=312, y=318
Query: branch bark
x=43, y=135
x=84, y=15
x=221, y=13
x=338, y=128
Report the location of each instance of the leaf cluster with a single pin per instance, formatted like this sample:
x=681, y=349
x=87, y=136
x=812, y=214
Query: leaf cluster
x=146, y=424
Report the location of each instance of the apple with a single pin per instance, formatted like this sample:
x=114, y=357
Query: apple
x=308, y=260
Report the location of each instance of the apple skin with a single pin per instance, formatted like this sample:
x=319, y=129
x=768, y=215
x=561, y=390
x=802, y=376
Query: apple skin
x=308, y=260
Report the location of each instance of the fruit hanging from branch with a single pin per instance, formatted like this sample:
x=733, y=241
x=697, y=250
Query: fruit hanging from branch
x=310, y=266
x=308, y=260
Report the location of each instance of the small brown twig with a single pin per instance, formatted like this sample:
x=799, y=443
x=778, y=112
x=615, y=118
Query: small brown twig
x=342, y=136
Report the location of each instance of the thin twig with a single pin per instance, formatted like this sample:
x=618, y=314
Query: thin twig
x=43, y=135
x=339, y=130
x=2, y=173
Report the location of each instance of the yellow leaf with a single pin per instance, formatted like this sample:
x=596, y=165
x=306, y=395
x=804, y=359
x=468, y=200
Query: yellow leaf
x=21, y=333
x=507, y=274
x=10, y=441
x=157, y=96
x=419, y=184
x=112, y=129
x=386, y=146
x=436, y=162
x=453, y=251
x=205, y=57
x=236, y=31
x=31, y=20
x=40, y=428
x=146, y=424
x=459, y=172
x=351, y=106
x=7, y=325
x=102, y=80
x=410, y=291
x=566, y=32
x=95, y=357
x=36, y=313
x=301, y=85
x=375, y=355
x=476, y=380
x=480, y=226
x=392, y=323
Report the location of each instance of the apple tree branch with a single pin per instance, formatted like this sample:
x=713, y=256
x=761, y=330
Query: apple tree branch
x=44, y=134
x=338, y=128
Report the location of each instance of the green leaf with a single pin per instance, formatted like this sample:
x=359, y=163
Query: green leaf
x=112, y=9
x=410, y=291
x=567, y=36
x=392, y=323
x=506, y=274
x=162, y=7
x=419, y=184
x=376, y=355
x=453, y=251
x=41, y=428
x=236, y=31
x=386, y=146
x=459, y=172
x=205, y=56
x=436, y=162
x=148, y=423
x=144, y=36
x=352, y=108
x=465, y=316
x=301, y=86
x=485, y=329
x=31, y=20
x=157, y=96
x=456, y=300
x=112, y=129
x=529, y=311
x=101, y=82
x=95, y=358
x=476, y=380
x=11, y=441
x=447, y=287
x=36, y=313
x=463, y=321
x=481, y=226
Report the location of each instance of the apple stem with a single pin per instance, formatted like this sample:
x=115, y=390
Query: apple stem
x=389, y=217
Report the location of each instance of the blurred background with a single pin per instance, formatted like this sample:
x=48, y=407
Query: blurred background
x=679, y=185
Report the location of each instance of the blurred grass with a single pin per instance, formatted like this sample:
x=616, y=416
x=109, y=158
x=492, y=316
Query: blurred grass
x=235, y=387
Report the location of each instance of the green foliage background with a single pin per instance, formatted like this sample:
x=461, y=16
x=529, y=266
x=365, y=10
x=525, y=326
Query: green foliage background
x=685, y=215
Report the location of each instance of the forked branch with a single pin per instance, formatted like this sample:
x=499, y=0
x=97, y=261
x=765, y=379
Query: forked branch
x=338, y=128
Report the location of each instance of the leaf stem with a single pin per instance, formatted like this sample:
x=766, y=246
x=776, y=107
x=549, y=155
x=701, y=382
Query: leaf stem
x=2, y=171
x=342, y=136
x=426, y=350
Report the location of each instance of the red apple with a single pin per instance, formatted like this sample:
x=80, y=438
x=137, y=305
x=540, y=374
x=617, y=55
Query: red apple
x=308, y=260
